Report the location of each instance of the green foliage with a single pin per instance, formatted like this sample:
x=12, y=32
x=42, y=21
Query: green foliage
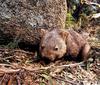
x=69, y=20
x=42, y=83
x=12, y=45
x=83, y=20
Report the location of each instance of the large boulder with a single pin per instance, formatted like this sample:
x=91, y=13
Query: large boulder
x=38, y=13
x=21, y=20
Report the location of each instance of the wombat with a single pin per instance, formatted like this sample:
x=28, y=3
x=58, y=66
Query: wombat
x=59, y=43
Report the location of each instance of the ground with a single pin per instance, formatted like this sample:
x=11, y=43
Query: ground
x=19, y=67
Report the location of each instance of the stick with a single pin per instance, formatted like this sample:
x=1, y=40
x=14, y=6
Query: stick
x=45, y=68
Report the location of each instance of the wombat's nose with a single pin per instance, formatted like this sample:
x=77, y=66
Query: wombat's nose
x=57, y=55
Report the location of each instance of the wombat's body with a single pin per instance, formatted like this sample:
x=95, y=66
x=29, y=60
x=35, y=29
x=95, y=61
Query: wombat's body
x=59, y=43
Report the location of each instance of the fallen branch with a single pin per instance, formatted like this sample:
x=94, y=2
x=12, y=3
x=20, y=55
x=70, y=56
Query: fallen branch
x=45, y=68
x=8, y=70
x=34, y=69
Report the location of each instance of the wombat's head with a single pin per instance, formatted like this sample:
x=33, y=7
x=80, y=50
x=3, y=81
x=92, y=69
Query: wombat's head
x=53, y=45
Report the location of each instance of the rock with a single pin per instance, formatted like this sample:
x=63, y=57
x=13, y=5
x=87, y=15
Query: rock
x=38, y=13
x=21, y=20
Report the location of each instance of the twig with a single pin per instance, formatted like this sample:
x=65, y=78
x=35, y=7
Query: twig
x=2, y=79
x=18, y=80
x=70, y=65
x=7, y=57
x=16, y=50
x=5, y=60
x=9, y=70
x=64, y=80
x=31, y=53
x=7, y=65
x=10, y=81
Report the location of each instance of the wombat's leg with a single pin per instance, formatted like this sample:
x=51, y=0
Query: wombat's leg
x=85, y=52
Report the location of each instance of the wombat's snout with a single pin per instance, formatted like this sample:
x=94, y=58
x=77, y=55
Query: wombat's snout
x=47, y=54
x=53, y=52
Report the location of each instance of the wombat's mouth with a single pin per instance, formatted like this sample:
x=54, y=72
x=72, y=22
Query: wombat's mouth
x=49, y=58
x=53, y=58
x=46, y=60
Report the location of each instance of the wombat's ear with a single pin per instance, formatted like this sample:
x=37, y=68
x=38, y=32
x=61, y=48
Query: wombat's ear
x=64, y=34
x=43, y=32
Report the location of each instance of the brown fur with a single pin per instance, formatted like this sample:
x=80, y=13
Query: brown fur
x=57, y=43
